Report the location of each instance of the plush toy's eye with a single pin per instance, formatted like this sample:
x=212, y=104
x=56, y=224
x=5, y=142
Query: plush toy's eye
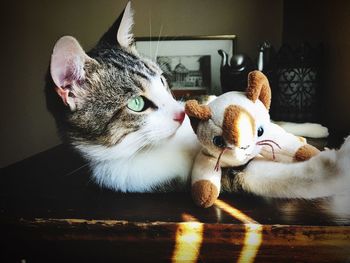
x=219, y=141
x=260, y=131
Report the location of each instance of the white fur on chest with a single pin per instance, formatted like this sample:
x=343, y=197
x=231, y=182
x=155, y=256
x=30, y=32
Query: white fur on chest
x=117, y=169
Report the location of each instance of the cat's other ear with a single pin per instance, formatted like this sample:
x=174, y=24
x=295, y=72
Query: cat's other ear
x=124, y=36
x=120, y=32
x=67, y=68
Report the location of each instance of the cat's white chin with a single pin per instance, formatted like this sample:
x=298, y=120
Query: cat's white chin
x=124, y=168
x=173, y=133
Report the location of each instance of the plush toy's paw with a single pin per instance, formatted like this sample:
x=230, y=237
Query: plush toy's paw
x=305, y=153
x=204, y=193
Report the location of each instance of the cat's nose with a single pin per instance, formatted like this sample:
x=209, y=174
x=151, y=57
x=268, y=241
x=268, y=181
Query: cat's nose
x=179, y=117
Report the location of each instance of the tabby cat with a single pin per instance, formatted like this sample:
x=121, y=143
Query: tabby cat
x=119, y=113
x=116, y=109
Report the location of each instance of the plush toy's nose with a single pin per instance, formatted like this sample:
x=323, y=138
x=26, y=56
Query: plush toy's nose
x=238, y=126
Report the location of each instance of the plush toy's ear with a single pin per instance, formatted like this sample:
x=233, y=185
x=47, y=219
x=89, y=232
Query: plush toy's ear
x=259, y=88
x=201, y=112
x=197, y=113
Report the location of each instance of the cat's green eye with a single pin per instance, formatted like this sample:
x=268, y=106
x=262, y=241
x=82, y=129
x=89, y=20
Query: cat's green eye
x=136, y=104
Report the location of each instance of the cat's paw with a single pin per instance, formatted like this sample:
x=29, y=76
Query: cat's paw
x=204, y=193
x=343, y=158
x=345, y=146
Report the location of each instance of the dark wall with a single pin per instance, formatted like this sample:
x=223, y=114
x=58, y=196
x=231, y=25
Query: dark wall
x=30, y=29
x=326, y=22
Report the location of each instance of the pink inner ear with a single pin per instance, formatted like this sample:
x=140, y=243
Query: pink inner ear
x=67, y=70
x=74, y=71
x=63, y=93
x=67, y=62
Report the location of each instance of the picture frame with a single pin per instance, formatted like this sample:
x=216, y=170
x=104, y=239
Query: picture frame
x=191, y=64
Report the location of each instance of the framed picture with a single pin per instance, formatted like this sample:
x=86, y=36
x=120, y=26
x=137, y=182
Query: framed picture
x=191, y=65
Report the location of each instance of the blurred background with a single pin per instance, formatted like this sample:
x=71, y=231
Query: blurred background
x=31, y=28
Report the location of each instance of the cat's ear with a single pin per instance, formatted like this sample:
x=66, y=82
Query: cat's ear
x=120, y=32
x=124, y=36
x=67, y=68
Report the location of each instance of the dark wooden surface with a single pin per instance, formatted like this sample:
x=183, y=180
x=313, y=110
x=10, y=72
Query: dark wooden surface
x=50, y=210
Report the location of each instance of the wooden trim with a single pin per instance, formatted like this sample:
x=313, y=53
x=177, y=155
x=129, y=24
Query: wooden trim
x=170, y=38
x=48, y=239
x=282, y=235
x=201, y=37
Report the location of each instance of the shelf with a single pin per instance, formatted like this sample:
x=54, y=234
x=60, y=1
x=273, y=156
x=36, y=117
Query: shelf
x=50, y=210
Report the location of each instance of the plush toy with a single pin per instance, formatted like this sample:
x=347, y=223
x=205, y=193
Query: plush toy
x=234, y=130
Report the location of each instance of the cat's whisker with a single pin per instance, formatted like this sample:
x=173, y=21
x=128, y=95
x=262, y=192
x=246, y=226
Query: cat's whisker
x=181, y=99
x=77, y=169
x=138, y=144
x=146, y=144
x=156, y=135
x=160, y=33
x=146, y=138
x=150, y=34
x=148, y=149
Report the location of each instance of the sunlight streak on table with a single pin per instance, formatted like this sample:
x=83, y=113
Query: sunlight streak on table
x=253, y=232
x=189, y=237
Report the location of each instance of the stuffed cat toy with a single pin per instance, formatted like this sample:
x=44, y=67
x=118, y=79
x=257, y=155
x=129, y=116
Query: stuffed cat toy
x=233, y=130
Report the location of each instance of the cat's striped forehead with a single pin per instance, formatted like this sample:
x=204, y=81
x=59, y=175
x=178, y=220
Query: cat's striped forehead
x=128, y=62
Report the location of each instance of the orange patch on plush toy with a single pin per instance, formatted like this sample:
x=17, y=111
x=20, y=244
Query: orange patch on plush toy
x=305, y=153
x=237, y=123
x=259, y=88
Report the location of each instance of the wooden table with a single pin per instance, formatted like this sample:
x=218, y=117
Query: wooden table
x=51, y=211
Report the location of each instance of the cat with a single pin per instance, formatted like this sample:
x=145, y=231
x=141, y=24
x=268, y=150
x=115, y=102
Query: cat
x=115, y=107
x=117, y=110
